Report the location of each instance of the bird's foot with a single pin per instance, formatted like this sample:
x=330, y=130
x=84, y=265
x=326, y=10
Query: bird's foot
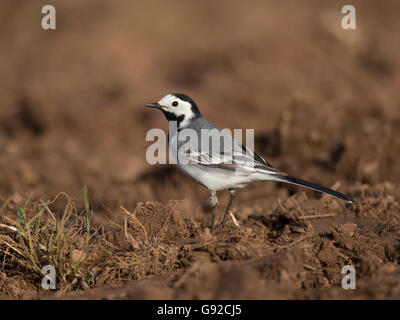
x=217, y=226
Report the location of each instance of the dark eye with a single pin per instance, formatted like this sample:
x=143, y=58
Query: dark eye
x=175, y=103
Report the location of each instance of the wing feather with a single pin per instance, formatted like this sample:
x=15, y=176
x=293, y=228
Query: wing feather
x=246, y=162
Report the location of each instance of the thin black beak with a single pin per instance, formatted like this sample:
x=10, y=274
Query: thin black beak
x=153, y=105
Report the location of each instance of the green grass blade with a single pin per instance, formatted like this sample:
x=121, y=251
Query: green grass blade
x=87, y=207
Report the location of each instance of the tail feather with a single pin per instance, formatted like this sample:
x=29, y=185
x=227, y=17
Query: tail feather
x=314, y=186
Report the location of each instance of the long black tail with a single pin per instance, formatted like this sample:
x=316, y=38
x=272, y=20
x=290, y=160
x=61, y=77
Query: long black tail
x=314, y=186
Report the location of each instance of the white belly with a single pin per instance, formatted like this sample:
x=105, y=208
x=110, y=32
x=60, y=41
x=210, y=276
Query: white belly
x=212, y=178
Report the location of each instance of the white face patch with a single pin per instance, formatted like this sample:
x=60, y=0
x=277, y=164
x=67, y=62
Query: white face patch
x=173, y=104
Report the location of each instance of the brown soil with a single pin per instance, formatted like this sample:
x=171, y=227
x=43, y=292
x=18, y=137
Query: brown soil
x=324, y=103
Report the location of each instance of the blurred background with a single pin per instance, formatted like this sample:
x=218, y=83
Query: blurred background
x=324, y=101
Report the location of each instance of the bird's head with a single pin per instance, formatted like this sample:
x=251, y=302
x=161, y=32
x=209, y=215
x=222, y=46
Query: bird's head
x=177, y=107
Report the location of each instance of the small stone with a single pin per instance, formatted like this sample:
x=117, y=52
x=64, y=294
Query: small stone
x=77, y=255
x=348, y=229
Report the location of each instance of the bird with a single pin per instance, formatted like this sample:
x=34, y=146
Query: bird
x=216, y=160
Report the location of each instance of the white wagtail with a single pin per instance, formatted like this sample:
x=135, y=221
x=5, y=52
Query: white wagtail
x=230, y=167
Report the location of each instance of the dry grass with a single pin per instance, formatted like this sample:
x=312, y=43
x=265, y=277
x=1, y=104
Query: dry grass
x=63, y=241
x=83, y=256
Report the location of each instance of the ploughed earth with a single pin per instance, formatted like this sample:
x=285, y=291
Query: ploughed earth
x=324, y=104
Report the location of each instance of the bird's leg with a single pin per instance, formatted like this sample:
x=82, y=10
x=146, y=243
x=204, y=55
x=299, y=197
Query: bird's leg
x=232, y=196
x=214, y=204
